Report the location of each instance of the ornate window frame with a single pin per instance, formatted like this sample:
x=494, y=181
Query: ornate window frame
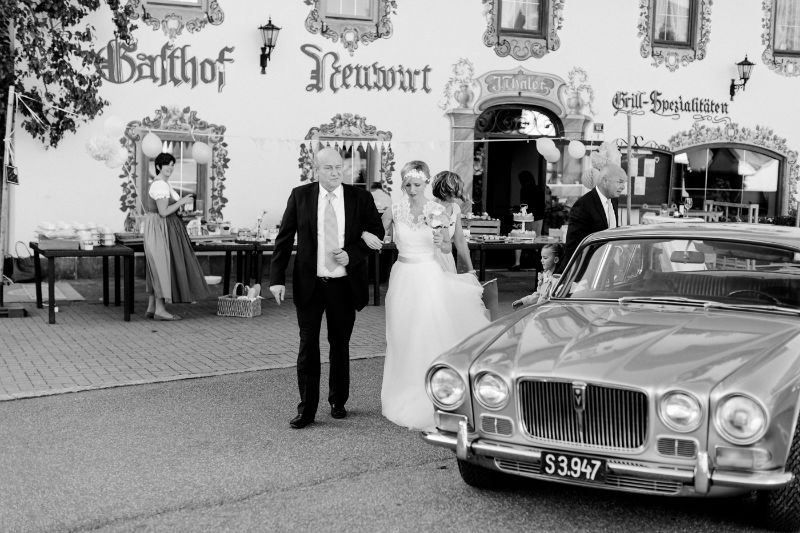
x=783, y=64
x=732, y=133
x=348, y=129
x=173, y=17
x=675, y=55
x=169, y=121
x=522, y=46
x=352, y=31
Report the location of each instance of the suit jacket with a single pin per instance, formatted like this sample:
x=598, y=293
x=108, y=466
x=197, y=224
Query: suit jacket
x=300, y=218
x=587, y=216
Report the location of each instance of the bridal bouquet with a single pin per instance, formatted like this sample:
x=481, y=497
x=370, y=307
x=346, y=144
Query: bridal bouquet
x=435, y=216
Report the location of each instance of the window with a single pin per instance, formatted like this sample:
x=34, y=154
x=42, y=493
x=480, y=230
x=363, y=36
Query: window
x=173, y=16
x=522, y=16
x=367, y=156
x=675, y=32
x=673, y=23
x=728, y=175
x=352, y=22
x=523, y=28
x=350, y=9
x=787, y=27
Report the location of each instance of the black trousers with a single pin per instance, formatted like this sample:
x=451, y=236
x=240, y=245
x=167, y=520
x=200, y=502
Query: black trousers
x=333, y=298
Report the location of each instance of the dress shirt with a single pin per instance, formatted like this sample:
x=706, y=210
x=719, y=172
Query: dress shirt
x=338, y=207
x=608, y=207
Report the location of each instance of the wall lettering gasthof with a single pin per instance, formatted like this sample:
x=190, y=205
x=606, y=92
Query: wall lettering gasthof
x=328, y=73
x=637, y=102
x=121, y=64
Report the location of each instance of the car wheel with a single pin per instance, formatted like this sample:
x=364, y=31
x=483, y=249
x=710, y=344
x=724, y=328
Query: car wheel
x=781, y=508
x=478, y=476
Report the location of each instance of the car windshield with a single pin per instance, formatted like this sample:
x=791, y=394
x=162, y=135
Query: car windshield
x=708, y=272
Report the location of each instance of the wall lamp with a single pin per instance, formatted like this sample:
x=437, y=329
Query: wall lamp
x=269, y=35
x=744, y=68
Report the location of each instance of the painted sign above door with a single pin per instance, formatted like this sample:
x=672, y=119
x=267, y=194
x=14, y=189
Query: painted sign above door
x=518, y=83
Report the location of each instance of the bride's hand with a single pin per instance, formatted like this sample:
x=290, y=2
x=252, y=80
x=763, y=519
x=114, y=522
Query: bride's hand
x=372, y=240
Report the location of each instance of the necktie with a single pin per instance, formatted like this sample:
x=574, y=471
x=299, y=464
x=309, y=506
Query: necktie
x=612, y=220
x=331, y=233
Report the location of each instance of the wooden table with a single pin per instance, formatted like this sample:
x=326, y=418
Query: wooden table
x=227, y=244
x=116, y=251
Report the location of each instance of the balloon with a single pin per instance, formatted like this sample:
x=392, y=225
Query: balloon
x=151, y=145
x=545, y=144
x=114, y=127
x=551, y=156
x=576, y=149
x=201, y=152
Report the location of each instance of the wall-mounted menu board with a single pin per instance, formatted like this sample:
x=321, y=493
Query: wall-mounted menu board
x=651, y=179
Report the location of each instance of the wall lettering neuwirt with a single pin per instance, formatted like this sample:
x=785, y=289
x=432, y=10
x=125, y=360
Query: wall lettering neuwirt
x=328, y=73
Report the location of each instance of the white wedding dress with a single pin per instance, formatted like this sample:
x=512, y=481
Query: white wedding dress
x=428, y=311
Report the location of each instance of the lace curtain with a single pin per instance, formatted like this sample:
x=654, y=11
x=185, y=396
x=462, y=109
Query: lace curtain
x=787, y=26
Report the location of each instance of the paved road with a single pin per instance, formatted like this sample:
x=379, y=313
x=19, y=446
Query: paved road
x=216, y=454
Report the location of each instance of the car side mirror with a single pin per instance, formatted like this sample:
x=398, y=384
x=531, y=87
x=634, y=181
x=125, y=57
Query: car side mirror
x=687, y=256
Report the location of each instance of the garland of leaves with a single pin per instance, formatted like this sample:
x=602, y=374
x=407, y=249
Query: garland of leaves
x=49, y=43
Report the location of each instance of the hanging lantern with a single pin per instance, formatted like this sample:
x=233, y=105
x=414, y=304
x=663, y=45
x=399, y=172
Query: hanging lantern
x=545, y=144
x=113, y=126
x=151, y=145
x=576, y=149
x=201, y=153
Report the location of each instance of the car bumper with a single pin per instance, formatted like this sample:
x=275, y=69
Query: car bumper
x=698, y=480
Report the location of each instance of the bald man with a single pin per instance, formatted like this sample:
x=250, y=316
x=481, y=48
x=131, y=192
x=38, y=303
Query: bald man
x=596, y=210
x=329, y=276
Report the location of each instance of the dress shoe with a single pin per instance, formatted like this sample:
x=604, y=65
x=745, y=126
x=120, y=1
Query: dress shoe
x=338, y=411
x=299, y=422
x=149, y=314
x=514, y=268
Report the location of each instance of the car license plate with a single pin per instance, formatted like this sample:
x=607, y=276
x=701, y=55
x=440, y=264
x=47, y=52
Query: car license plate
x=573, y=467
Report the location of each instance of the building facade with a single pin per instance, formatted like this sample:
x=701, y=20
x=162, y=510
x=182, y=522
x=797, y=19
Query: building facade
x=472, y=86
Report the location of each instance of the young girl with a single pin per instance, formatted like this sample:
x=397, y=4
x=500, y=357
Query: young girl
x=551, y=255
x=448, y=189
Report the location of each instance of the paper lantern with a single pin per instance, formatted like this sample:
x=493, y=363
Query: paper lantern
x=576, y=149
x=201, y=153
x=551, y=156
x=545, y=144
x=114, y=127
x=151, y=145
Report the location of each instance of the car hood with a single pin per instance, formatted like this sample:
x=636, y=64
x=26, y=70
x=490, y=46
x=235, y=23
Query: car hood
x=636, y=344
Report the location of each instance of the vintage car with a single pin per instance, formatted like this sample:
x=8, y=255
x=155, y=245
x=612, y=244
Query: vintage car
x=666, y=362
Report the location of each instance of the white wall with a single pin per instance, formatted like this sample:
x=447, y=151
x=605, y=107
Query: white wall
x=266, y=117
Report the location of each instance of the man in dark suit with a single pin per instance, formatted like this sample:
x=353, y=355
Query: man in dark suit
x=329, y=276
x=596, y=210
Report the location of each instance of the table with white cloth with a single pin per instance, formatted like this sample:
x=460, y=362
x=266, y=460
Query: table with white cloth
x=652, y=218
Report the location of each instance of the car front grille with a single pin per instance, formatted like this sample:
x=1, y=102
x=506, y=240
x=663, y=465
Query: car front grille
x=586, y=415
x=496, y=425
x=615, y=481
x=672, y=447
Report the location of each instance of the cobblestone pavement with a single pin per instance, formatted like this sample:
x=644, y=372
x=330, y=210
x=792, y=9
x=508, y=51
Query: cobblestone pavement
x=91, y=347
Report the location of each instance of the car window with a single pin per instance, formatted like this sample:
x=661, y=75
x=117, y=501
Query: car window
x=711, y=270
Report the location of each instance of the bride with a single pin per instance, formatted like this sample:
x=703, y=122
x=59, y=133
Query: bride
x=428, y=310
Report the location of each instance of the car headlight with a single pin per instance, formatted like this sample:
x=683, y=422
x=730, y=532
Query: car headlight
x=741, y=420
x=446, y=388
x=681, y=411
x=491, y=391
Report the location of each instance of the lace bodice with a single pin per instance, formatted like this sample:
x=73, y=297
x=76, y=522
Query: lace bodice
x=412, y=235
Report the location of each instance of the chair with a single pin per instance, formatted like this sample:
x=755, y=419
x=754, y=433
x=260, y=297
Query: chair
x=752, y=209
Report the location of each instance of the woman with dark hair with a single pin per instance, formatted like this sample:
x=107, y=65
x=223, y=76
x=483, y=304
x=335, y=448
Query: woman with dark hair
x=173, y=273
x=448, y=188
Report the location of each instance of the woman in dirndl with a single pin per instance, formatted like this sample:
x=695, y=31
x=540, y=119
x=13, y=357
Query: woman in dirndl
x=174, y=274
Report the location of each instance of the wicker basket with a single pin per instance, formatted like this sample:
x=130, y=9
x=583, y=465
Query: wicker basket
x=233, y=305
